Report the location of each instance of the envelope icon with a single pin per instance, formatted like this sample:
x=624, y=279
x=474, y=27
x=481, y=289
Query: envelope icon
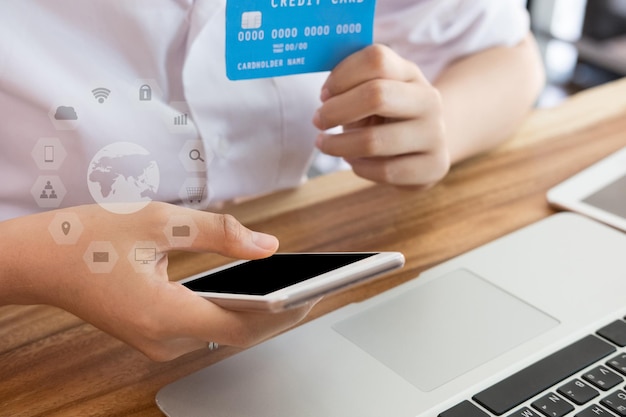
x=101, y=257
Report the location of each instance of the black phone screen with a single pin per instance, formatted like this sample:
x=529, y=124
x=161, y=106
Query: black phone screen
x=263, y=276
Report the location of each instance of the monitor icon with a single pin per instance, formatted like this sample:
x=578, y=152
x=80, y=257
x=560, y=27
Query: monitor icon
x=145, y=255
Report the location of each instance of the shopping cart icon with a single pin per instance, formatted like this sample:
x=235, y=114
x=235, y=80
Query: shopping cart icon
x=195, y=193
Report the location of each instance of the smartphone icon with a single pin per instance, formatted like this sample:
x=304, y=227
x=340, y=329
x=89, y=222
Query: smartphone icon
x=48, y=153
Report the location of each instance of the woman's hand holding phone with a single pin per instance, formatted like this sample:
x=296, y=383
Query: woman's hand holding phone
x=286, y=280
x=141, y=307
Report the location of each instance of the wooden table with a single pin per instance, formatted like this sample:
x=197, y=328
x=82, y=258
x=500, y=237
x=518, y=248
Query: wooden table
x=53, y=364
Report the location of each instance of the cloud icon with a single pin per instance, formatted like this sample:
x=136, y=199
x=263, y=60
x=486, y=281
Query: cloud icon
x=65, y=113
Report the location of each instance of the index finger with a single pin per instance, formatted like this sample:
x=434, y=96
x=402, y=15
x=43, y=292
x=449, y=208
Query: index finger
x=373, y=62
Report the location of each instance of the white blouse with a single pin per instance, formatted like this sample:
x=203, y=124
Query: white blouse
x=109, y=100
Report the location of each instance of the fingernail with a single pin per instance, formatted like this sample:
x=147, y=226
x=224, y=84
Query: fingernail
x=325, y=95
x=319, y=140
x=265, y=241
x=316, y=119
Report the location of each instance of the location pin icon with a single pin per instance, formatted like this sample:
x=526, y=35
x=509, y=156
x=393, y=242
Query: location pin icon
x=65, y=226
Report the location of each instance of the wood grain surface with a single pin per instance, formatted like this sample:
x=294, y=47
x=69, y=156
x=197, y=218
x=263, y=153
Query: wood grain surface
x=53, y=364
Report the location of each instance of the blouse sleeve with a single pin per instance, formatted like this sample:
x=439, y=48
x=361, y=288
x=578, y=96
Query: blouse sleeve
x=434, y=33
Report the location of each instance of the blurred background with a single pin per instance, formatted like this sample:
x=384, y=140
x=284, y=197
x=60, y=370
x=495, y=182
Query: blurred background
x=583, y=44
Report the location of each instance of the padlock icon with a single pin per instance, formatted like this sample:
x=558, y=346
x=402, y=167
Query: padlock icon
x=145, y=93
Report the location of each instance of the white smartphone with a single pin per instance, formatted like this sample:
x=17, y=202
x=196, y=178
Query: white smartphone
x=287, y=280
x=598, y=191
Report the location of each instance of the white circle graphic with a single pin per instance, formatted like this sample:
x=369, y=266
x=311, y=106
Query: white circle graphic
x=123, y=178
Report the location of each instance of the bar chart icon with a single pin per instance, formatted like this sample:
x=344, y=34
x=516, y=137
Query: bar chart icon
x=181, y=119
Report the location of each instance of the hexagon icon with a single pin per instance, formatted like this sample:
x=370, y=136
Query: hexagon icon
x=48, y=191
x=144, y=93
x=64, y=116
x=181, y=231
x=194, y=156
x=177, y=118
x=144, y=255
x=194, y=193
x=66, y=228
x=49, y=154
x=100, y=257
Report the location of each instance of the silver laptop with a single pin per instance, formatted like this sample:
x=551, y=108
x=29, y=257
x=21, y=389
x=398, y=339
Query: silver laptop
x=531, y=324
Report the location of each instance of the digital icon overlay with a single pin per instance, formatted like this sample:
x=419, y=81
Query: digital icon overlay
x=48, y=191
x=49, y=154
x=181, y=119
x=145, y=93
x=64, y=116
x=194, y=192
x=195, y=156
x=66, y=228
x=101, y=94
x=178, y=118
x=65, y=113
x=143, y=256
x=100, y=257
x=123, y=177
x=181, y=231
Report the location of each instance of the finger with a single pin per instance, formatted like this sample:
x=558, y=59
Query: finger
x=375, y=97
x=388, y=99
x=416, y=170
x=244, y=329
x=202, y=320
x=223, y=234
x=380, y=140
x=373, y=62
x=204, y=231
x=219, y=233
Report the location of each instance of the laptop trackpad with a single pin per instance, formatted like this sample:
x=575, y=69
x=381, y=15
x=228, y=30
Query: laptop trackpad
x=440, y=330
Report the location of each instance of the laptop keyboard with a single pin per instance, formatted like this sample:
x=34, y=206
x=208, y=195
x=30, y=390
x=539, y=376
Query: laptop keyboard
x=583, y=379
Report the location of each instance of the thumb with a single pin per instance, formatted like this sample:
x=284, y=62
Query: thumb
x=223, y=234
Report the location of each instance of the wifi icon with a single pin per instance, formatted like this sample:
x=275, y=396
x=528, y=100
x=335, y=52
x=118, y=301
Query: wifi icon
x=101, y=94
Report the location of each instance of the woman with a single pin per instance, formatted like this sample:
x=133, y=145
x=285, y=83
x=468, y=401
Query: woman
x=127, y=103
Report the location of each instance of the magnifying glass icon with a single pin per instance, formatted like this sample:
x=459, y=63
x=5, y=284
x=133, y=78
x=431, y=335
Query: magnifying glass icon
x=194, y=155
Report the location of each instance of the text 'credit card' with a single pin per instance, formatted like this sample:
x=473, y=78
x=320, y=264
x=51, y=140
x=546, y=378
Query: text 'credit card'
x=270, y=38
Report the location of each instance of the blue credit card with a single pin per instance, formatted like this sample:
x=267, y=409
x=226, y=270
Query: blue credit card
x=270, y=38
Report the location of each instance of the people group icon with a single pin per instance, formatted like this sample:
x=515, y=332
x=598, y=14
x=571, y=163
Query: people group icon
x=48, y=191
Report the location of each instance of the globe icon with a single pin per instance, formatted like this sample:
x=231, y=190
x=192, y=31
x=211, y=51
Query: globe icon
x=123, y=178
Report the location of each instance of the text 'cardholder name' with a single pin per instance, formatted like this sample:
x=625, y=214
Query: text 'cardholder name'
x=270, y=38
